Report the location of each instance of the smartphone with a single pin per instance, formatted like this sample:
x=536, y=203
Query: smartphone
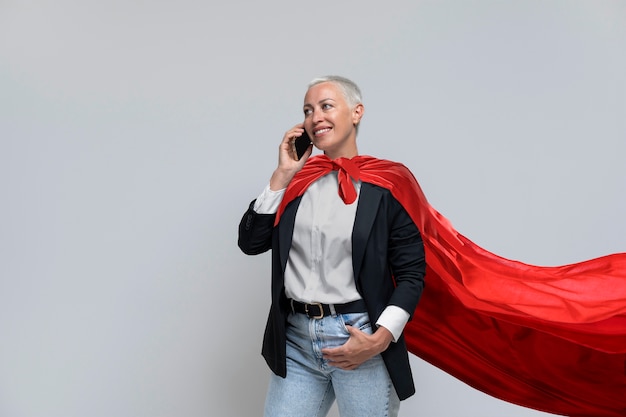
x=302, y=144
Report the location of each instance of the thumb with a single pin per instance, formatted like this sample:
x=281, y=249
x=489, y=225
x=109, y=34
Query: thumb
x=353, y=330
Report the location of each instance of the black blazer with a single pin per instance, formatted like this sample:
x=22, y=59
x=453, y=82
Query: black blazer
x=385, y=243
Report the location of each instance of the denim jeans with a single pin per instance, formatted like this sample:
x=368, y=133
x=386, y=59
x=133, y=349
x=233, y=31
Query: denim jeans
x=312, y=384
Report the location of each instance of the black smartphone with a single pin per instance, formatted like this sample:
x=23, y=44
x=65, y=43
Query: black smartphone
x=302, y=144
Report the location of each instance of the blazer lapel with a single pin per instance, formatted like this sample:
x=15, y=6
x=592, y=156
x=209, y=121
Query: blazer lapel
x=369, y=199
x=285, y=231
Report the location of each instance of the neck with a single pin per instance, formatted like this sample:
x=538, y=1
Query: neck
x=343, y=154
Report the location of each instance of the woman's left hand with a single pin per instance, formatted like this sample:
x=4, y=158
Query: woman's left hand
x=359, y=348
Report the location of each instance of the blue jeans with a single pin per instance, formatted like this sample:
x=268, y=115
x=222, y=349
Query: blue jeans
x=312, y=385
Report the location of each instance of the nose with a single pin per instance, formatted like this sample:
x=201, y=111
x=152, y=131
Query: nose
x=317, y=116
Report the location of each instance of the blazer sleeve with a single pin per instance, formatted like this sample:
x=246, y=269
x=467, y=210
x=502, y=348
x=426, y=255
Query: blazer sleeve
x=255, y=232
x=406, y=259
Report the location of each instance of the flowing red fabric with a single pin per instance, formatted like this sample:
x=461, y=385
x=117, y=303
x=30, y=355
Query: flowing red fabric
x=548, y=338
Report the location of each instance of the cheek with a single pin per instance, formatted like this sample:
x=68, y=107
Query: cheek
x=308, y=125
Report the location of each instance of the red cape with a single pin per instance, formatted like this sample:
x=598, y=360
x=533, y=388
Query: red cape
x=548, y=338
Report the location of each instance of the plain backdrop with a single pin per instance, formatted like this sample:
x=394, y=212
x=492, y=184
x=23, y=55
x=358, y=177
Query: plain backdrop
x=133, y=135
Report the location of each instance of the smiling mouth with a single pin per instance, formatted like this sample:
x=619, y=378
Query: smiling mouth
x=321, y=131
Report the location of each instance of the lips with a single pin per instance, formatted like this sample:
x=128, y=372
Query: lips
x=321, y=131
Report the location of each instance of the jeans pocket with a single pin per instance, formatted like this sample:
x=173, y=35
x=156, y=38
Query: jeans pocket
x=359, y=321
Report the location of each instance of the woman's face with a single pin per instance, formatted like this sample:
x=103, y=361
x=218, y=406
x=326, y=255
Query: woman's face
x=329, y=120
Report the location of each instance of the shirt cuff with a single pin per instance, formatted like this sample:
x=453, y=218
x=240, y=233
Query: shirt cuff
x=393, y=319
x=268, y=201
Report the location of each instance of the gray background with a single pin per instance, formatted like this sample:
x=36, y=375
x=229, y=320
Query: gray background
x=134, y=134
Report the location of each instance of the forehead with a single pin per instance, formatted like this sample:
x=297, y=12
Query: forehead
x=323, y=91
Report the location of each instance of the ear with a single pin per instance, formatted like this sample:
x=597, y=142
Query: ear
x=357, y=113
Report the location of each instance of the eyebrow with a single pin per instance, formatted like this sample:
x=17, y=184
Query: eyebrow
x=319, y=102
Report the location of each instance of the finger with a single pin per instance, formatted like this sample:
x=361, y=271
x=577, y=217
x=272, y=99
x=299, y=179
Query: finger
x=289, y=140
x=333, y=356
x=334, y=352
x=297, y=130
x=351, y=329
x=308, y=152
x=348, y=366
x=293, y=133
x=292, y=148
x=354, y=331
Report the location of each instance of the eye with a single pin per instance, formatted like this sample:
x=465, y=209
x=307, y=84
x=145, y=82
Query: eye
x=307, y=111
x=326, y=106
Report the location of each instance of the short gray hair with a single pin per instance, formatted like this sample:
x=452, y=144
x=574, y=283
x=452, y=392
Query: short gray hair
x=351, y=91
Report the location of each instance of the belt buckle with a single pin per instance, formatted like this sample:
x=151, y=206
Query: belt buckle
x=319, y=305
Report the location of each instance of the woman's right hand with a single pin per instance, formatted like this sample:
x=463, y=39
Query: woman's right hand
x=288, y=165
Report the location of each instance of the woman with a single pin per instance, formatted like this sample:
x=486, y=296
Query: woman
x=347, y=267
